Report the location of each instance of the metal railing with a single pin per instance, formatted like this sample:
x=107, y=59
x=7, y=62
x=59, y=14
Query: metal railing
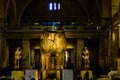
x=52, y=28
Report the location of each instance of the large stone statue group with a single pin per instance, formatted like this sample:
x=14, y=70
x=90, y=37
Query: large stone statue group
x=52, y=49
x=52, y=43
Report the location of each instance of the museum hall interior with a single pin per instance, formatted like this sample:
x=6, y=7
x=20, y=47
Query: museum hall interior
x=59, y=40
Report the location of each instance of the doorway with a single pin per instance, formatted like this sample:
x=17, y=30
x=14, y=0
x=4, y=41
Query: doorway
x=37, y=58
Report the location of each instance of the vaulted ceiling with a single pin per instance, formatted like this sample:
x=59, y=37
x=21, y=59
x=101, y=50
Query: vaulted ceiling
x=20, y=12
x=17, y=12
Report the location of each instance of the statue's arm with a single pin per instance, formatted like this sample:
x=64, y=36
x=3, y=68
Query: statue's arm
x=83, y=56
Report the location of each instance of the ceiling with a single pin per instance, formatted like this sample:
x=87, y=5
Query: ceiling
x=19, y=12
x=30, y=11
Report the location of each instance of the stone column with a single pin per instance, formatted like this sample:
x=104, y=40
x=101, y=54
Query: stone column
x=119, y=36
x=2, y=9
x=101, y=50
x=115, y=47
x=118, y=65
x=110, y=52
x=26, y=53
x=0, y=52
x=80, y=45
x=118, y=60
x=2, y=20
x=4, y=55
x=106, y=11
x=5, y=50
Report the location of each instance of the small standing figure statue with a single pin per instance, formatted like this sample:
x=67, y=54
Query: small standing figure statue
x=17, y=57
x=85, y=56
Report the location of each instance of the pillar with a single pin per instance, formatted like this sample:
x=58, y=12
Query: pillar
x=1, y=27
x=4, y=55
x=110, y=50
x=119, y=36
x=26, y=53
x=2, y=12
x=80, y=45
x=104, y=52
x=115, y=47
x=101, y=51
x=118, y=60
x=118, y=65
x=106, y=11
x=0, y=51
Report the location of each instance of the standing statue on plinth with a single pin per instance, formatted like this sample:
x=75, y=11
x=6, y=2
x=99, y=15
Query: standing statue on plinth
x=85, y=58
x=17, y=57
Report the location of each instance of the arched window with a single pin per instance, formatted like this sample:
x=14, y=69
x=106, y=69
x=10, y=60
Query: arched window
x=54, y=6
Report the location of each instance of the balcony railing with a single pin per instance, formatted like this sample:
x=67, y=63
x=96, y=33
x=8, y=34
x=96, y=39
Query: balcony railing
x=52, y=28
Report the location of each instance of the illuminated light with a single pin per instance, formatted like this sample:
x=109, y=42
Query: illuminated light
x=119, y=25
x=113, y=37
x=66, y=58
x=88, y=37
x=36, y=23
x=91, y=23
x=58, y=22
x=58, y=6
x=50, y=6
x=98, y=27
x=55, y=6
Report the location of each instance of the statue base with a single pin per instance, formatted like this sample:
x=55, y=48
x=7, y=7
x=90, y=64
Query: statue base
x=17, y=75
x=31, y=74
x=51, y=74
x=86, y=74
x=67, y=74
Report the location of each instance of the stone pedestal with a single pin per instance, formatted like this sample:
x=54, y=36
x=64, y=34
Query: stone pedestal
x=67, y=74
x=31, y=74
x=17, y=75
x=44, y=74
x=51, y=75
x=86, y=73
x=58, y=75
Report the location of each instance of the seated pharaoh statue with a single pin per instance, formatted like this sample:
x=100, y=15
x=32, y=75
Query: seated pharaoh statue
x=52, y=43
